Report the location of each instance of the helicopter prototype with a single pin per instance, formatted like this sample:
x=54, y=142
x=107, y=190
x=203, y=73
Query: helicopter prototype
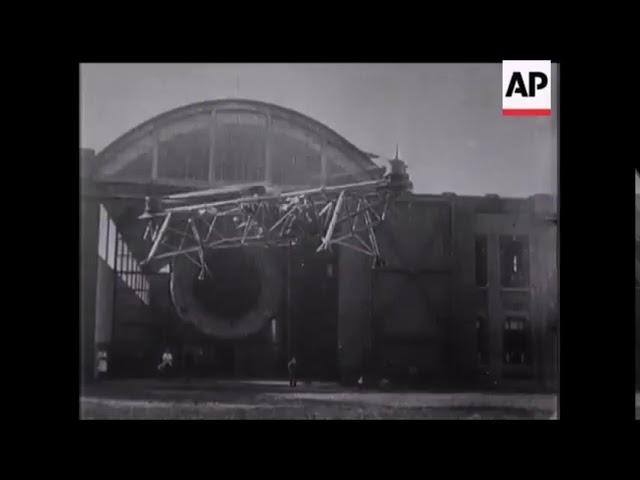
x=190, y=223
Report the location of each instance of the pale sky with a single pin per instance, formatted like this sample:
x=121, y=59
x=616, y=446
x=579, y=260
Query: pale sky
x=446, y=118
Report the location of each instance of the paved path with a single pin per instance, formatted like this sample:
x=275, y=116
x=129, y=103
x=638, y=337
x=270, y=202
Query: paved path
x=219, y=399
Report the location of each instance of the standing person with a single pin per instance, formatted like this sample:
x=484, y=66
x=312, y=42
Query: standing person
x=102, y=365
x=167, y=362
x=292, y=371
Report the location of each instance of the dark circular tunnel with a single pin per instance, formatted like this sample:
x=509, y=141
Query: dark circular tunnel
x=232, y=285
x=240, y=291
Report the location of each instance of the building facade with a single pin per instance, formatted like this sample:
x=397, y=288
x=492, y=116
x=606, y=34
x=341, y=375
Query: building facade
x=467, y=292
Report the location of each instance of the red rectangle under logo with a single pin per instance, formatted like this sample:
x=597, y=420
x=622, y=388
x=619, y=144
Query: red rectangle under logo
x=526, y=111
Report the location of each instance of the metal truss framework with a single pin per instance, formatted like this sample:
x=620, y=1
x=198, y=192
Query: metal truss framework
x=344, y=215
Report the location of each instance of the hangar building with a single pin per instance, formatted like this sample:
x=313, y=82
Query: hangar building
x=468, y=292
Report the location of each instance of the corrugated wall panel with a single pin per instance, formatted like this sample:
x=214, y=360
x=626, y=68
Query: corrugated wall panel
x=417, y=235
x=412, y=293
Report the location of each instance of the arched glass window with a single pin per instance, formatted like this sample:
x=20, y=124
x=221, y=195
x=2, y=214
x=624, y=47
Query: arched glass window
x=183, y=150
x=240, y=146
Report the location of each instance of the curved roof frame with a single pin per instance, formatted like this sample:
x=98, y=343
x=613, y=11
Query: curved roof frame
x=362, y=160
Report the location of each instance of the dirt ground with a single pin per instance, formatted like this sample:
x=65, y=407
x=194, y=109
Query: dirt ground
x=218, y=399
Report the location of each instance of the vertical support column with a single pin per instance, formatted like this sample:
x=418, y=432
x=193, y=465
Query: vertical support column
x=268, y=160
x=372, y=362
x=89, y=210
x=212, y=142
x=155, y=153
x=115, y=300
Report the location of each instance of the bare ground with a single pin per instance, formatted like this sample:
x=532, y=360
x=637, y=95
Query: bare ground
x=218, y=399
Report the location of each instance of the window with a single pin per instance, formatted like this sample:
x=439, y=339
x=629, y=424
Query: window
x=515, y=300
x=183, y=149
x=239, y=147
x=140, y=166
x=128, y=268
x=103, y=233
x=111, y=244
x=514, y=261
x=516, y=341
x=296, y=154
x=120, y=258
x=335, y=173
x=481, y=261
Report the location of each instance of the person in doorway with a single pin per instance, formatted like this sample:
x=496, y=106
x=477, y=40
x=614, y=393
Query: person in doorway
x=166, y=365
x=102, y=366
x=291, y=366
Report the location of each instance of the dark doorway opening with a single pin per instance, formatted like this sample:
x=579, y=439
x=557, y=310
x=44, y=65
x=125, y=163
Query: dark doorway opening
x=225, y=359
x=313, y=314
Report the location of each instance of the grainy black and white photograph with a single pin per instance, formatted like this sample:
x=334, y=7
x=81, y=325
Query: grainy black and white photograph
x=317, y=242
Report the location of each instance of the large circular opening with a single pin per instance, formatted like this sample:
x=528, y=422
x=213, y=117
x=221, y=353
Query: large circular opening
x=231, y=287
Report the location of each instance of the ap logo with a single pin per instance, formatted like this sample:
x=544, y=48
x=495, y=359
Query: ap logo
x=526, y=87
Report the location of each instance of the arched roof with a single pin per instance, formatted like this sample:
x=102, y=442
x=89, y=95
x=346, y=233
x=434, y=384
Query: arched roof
x=124, y=149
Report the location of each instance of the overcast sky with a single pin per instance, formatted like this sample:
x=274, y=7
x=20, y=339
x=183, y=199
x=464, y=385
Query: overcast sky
x=446, y=118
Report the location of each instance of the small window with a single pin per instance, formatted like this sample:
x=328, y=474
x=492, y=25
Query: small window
x=184, y=152
x=111, y=244
x=516, y=342
x=330, y=270
x=515, y=300
x=103, y=233
x=120, y=256
x=514, y=261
